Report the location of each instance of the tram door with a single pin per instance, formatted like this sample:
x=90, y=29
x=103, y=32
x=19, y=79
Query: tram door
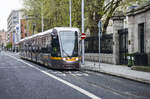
x=55, y=47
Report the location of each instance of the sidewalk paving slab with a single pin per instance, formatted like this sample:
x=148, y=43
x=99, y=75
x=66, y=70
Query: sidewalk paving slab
x=118, y=70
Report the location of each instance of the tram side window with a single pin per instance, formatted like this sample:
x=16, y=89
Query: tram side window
x=55, y=48
x=33, y=49
x=48, y=49
x=43, y=50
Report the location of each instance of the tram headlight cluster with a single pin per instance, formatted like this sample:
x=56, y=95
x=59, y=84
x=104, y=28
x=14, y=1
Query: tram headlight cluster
x=64, y=59
x=68, y=59
x=77, y=59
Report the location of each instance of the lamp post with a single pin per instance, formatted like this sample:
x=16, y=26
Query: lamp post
x=70, y=3
x=42, y=17
x=83, y=50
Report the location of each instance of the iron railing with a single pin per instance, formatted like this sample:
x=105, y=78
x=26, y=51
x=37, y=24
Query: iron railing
x=91, y=44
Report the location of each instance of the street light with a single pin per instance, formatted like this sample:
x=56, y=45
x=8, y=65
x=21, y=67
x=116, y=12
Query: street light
x=83, y=50
x=70, y=3
x=42, y=17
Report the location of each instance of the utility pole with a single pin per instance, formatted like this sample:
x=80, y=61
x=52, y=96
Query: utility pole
x=42, y=17
x=83, y=50
x=70, y=3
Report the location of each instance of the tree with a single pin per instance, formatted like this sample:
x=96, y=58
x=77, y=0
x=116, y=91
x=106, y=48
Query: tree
x=56, y=12
x=102, y=10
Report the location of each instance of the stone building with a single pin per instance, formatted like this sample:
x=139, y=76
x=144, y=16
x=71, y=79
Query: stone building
x=130, y=38
x=139, y=30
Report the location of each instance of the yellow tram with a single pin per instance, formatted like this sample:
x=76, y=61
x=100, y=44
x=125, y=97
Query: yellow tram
x=56, y=48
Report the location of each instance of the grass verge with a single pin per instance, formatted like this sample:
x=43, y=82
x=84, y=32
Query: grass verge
x=141, y=68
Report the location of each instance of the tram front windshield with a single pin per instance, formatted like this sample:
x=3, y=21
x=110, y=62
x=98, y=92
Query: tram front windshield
x=69, y=43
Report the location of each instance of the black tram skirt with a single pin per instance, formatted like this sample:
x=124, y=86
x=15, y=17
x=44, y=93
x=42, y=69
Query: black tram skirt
x=60, y=64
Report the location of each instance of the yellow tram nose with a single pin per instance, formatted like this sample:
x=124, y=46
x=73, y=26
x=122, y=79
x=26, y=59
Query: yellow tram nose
x=72, y=59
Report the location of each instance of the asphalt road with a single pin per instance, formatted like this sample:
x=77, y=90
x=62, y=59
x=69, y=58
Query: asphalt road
x=21, y=79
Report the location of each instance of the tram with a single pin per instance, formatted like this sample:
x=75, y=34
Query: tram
x=57, y=48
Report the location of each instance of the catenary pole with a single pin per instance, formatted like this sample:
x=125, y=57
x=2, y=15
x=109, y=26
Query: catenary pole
x=70, y=3
x=42, y=17
x=83, y=50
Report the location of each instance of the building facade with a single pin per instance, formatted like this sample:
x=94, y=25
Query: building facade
x=25, y=28
x=131, y=36
x=139, y=30
x=14, y=26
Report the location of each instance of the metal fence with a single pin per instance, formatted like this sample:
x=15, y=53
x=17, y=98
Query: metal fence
x=92, y=55
x=91, y=44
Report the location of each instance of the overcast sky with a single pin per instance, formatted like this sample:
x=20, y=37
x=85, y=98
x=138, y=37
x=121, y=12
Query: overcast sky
x=6, y=6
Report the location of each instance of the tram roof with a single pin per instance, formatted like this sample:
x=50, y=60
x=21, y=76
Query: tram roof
x=49, y=31
x=66, y=28
x=38, y=34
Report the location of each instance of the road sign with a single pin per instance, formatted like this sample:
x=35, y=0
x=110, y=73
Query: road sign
x=100, y=27
x=83, y=36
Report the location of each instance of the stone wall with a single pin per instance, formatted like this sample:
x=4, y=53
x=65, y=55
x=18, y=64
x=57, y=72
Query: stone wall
x=149, y=59
x=118, y=23
x=105, y=58
x=131, y=27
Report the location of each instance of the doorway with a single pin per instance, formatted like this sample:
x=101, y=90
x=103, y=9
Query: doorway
x=141, y=37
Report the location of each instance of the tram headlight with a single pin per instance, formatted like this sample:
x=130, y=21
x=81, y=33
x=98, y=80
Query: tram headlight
x=77, y=59
x=64, y=59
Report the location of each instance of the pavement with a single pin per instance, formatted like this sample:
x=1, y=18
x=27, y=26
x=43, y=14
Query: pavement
x=118, y=70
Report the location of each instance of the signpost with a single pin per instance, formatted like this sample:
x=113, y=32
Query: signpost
x=99, y=34
x=82, y=12
x=83, y=36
